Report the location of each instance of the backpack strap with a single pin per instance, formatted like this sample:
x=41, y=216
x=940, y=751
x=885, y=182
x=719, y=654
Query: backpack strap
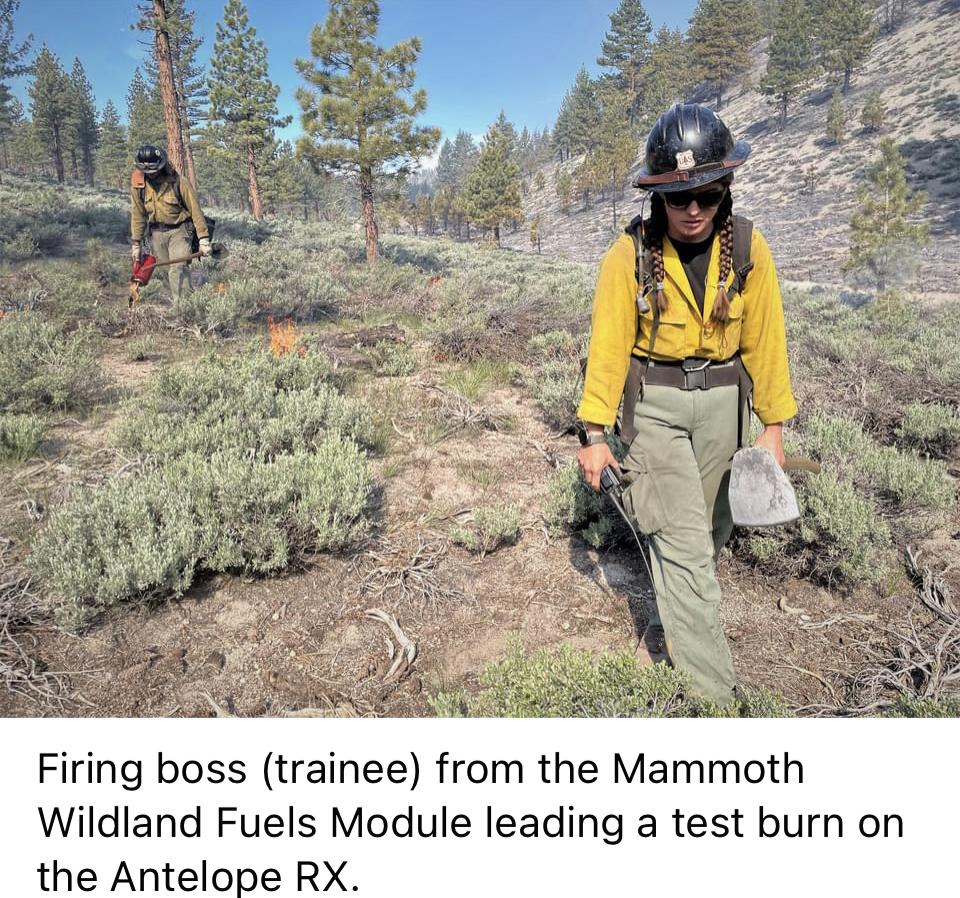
x=742, y=244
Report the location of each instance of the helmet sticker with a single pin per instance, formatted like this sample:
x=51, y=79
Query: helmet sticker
x=685, y=160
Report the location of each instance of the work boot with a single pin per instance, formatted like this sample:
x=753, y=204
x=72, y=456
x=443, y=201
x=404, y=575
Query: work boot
x=654, y=640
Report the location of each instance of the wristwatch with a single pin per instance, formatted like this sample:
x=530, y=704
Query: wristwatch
x=588, y=437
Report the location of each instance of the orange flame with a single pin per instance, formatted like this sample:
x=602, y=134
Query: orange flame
x=284, y=338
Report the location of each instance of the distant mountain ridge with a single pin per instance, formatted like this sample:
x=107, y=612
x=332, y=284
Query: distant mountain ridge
x=916, y=70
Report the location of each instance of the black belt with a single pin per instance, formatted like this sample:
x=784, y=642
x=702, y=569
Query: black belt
x=691, y=374
x=160, y=226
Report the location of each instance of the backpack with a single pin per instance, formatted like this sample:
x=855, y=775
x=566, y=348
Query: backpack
x=138, y=180
x=742, y=241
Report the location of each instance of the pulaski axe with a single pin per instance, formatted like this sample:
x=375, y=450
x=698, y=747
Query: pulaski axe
x=761, y=494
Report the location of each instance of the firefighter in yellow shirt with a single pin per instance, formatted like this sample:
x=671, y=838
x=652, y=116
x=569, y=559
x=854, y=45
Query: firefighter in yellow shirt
x=687, y=329
x=165, y=207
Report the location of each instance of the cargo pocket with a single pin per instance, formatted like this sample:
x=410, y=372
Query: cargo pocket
x=641, y=495
x=671, y=334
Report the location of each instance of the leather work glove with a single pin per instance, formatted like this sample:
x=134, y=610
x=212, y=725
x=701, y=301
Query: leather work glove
x=206, y=247
x=135, y=253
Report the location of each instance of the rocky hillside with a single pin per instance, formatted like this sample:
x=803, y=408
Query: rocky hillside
x=916, y=71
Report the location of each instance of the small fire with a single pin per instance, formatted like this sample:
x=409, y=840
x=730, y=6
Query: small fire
x=220, y=289
x=284, y=338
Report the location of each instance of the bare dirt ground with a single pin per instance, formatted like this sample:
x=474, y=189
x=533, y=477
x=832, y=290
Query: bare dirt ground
x=303, y=643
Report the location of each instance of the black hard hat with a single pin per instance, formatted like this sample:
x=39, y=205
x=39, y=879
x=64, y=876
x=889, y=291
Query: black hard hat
x=689, y=146
x=151, y=159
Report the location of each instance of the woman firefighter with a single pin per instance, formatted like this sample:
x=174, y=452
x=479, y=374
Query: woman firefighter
x=687, y=328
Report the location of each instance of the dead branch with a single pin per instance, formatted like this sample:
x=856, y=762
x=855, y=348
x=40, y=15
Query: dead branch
x=411, y=577
x=408, y=650
x=932, y=588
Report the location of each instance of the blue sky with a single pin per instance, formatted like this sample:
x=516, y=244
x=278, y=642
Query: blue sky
x=479, y=56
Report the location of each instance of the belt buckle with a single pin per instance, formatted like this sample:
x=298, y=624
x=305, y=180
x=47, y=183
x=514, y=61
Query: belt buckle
x=695, y=373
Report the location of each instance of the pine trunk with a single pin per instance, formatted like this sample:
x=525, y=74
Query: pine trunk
x=168, y=89
x=846, y=79
x=88, y=166
x=496, y=233
x=58, y=155
x=254, y=185
x=74, y=166
x=367, y=213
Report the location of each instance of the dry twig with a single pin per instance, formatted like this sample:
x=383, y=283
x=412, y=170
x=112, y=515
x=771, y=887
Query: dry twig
x=413, y=577
x=402, y=660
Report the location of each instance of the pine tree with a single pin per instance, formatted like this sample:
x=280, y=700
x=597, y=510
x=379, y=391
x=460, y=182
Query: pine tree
x=358, y=117
x=189, y=77
x=720, y=36
x=583, y=122
x=11, y=66
x=492, y=191
x=837, y=119
x=83, y=132
x=894, y=13
x=666, y=80
x=846, y=34
x=26, y=153
x=50, y=106
x=882, y=236
x=243, y=99
x=626, y=47
x=154, y=17
x=144, y=115
x=112, y=161
x=536, y=234
x=563, y=183
x=791, y=63
x=509, y=132
x=874, y=112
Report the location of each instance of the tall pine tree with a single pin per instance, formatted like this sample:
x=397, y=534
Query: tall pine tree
x=720, y=36
x=845, y=31
x=359, y=116
x=626, y=48
x=492, y=192
x=11, y=65
x=243, y=99
x=144, y=115
x=50, y=97
x=791, y=63
x=883, y=238
x=84, y=133
x=112, y=160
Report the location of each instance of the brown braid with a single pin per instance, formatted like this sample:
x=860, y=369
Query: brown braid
x=655, y=227
x=724, y=225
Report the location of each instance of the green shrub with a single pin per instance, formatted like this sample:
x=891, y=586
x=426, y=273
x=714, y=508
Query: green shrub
x=20, y=436
x=844, y=532
x=556, y=387
x=909, y=706
x=250, y=402
x=141, y=350
x=43, y=367
x=566, y=682
x=493, y=526
x=908, y=481
x=572, y=507
x=391, y=359
x=148, y=536
x=221, y=310
x=930, y=427
x=19, y=247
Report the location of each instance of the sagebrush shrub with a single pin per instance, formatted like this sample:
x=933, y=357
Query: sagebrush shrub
x=391, y=359
x=566, y=682
x=492, y=527
x=148, y=536
x=253, y=401
x=572, y=507
x=45, y=367
x=20, y=436
x=930, y=427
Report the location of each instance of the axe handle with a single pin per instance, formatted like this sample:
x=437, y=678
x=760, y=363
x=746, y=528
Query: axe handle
x=176, y=261
x=798, y=463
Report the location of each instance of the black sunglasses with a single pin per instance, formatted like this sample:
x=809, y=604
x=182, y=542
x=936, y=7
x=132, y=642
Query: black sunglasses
x=706, y=200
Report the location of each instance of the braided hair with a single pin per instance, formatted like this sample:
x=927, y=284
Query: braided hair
x=655, y=229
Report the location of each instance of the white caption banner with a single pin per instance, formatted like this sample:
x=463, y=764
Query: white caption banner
x=482, y=830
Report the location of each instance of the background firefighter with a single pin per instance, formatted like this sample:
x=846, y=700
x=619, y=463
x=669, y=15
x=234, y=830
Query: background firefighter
x=165, y=205
x=684, y=353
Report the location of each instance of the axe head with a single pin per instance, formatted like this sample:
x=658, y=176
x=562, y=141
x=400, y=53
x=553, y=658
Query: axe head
x=761, y=494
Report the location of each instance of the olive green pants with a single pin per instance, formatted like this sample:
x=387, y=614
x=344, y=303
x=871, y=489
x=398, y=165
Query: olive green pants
x=676, y=475
x=173, y=244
